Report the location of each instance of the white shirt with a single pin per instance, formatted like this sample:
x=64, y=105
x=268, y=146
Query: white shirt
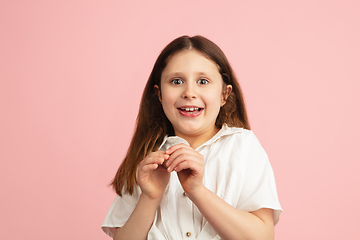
x=236, y=168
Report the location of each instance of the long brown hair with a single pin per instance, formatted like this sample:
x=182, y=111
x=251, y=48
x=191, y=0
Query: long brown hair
x=152, y=125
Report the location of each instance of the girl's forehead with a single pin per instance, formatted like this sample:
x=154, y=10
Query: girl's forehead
x=190, y=61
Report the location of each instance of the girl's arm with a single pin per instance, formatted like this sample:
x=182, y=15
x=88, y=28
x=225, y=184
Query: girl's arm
x=152, y=179
x=228, y=221
x=232, y=223
x=140, y=221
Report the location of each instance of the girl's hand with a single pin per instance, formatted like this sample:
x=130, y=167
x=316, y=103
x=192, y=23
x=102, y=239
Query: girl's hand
x=189, y=165
x=152, y=177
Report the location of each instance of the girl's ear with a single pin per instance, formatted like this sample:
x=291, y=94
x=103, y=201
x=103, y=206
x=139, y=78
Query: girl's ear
x=225, y=94
x=157, y=91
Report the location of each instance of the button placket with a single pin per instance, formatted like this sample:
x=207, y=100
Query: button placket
x=186, y=216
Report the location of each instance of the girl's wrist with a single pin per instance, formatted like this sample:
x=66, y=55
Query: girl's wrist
x=198, y=193
x=149, y=199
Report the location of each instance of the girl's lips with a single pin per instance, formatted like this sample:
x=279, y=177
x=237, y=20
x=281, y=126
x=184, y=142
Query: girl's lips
x=190, y=111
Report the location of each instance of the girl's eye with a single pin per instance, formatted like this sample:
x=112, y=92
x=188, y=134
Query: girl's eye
x=203, y=81
x=177, y=81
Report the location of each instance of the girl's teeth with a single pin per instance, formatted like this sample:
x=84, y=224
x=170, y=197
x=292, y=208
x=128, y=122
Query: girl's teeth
x=191, y=109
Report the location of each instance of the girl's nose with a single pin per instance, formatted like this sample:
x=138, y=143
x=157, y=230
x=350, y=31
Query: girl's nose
x=189, y=91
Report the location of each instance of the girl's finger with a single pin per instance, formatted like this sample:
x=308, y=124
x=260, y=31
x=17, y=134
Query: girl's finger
x=184, y=154
x=184, y=158
x=172, y=149
x=149, y=167
x=155, y=157
x=193, y=166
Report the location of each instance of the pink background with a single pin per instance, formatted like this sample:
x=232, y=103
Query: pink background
x=71, y=77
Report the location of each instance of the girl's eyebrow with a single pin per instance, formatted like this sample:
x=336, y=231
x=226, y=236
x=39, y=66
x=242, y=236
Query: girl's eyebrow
x=181, y=73
x=173, y=74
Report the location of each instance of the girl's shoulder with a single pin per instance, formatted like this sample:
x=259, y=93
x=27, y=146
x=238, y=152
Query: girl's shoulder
x=240, y=143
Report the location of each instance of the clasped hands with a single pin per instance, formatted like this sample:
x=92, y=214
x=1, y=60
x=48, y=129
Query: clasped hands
x=154, y=171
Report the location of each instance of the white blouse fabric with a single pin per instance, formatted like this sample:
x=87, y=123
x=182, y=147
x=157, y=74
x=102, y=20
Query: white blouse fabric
x=236, y=168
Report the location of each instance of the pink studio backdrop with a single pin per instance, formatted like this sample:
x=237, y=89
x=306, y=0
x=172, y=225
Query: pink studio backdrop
x=71, y=77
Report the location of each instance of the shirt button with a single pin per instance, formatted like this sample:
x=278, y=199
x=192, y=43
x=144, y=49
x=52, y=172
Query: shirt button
x=188, y=234
x=184, y=194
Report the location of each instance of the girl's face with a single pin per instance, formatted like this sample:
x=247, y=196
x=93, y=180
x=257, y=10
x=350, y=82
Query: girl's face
x=192, y=92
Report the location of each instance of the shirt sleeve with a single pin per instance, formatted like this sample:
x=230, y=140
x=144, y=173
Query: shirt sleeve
x=259, y=189
x=119, y=212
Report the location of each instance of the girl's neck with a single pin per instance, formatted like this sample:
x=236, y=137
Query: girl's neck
x=196, y=140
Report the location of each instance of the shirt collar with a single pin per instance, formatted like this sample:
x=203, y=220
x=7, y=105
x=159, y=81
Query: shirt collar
x=173, y=140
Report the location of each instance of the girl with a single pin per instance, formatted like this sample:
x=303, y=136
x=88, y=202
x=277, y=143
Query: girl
x=193, y=170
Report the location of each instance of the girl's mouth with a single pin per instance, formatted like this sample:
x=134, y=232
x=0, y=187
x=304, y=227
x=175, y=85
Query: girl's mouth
x=190, y=111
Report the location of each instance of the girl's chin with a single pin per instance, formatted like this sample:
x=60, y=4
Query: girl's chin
x=193, y=131
x=189, y=131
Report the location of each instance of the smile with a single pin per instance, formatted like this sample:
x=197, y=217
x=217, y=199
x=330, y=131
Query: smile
x=190, y=111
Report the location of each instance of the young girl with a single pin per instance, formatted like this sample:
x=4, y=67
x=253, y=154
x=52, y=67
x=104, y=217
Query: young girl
x=193, y=170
